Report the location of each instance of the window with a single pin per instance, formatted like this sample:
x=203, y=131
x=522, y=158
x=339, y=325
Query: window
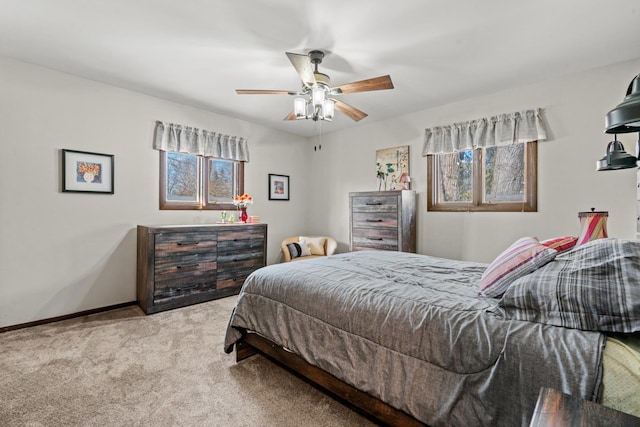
x=188, y=181
x=500, y=178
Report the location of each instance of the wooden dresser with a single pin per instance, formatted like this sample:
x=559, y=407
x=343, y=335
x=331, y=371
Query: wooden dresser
x=187, y=264
x=383, y=220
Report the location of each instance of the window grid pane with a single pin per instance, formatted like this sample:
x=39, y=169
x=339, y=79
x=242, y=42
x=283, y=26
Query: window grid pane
x=182, y=177
x=455, y=177
x=221, y=181
x=504, y=174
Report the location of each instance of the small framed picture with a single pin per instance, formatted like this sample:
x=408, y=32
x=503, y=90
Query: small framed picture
x=278, y=187
x=84, y=172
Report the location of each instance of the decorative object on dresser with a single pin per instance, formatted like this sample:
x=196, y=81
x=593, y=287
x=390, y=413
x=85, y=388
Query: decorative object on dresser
x=383, y=220
x=593, y=225
x=186, y=264
x=241, y=202
x=392, y=166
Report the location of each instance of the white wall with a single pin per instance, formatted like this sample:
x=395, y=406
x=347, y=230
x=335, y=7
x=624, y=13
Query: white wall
x=62, y=253
x=574, y=108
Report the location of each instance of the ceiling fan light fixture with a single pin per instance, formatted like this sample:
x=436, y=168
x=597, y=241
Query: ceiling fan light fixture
x=313, y=100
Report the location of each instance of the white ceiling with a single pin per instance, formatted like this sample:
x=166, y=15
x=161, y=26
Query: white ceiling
x=197, y=52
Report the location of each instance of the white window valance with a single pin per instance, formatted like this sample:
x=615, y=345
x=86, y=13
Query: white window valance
x=504, y=129
x=185, y=139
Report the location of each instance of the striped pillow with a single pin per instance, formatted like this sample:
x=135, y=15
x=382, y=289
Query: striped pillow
x=521, y=258
x=560, y=244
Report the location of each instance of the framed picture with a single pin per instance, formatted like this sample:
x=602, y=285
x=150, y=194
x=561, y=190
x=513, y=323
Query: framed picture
x=392, y=168
x=84, y=172
x=278, y=187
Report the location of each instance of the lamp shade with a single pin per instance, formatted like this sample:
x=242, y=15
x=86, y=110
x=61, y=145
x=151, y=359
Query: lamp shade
x=625, y=117
x=616, y=158
x=593, y=225
x=328, y=109
x=300, y=108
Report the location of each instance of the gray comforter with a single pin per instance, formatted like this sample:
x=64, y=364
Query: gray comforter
x=412, y=331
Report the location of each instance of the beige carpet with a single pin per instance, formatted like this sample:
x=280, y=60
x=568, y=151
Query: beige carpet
x=122, y=368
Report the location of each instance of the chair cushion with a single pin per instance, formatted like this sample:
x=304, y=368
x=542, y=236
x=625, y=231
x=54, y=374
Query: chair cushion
x=316, y=244
x=294, y=250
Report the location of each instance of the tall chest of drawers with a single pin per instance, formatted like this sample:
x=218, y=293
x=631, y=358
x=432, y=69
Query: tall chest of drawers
x=187, y=264
x=383, y=220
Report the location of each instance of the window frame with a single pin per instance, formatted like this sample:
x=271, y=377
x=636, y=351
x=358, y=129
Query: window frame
x=530, y=204
x=202, y=202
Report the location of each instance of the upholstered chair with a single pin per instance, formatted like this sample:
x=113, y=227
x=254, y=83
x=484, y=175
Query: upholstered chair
x=298, y=248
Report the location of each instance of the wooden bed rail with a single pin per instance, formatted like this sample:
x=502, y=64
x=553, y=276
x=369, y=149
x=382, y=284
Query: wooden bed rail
x=252, y=343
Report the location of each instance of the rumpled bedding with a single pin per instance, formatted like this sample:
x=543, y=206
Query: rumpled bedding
x=412, y=331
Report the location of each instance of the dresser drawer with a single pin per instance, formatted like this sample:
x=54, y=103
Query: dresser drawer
x=237, y=275
x=374, y=238
x=233, y=269
x=231, y=241
x=379, y=203
x=375, y=219
x=177, y=266
x=169, y=244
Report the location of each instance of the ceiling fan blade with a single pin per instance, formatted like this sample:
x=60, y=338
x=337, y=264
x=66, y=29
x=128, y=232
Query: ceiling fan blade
x=376, y=83
x=264, y=92
x=303, y=66
x=349, y=110
x=290, y=116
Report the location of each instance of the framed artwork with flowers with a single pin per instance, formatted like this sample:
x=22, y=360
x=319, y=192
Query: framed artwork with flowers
x=278, y=187
x=85, y=172
x=392, y=168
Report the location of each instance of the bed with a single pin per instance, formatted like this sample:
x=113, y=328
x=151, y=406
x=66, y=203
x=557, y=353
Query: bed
x=412, y=339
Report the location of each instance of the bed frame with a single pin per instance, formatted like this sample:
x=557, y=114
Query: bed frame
x=252, y=343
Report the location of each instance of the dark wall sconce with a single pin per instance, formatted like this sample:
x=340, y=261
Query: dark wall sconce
x=624, y=118
x=616, y=158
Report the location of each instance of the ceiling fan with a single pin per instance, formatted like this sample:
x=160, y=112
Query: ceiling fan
x=315, y=100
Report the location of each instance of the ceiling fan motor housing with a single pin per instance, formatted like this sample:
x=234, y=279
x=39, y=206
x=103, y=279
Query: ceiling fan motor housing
x=322, y=79
x=316, y=57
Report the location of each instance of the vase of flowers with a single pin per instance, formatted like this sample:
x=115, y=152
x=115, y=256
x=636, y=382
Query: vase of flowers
x=242, y=202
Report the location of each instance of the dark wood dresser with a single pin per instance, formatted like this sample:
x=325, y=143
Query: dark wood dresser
x=180, y=265
x=383, y=220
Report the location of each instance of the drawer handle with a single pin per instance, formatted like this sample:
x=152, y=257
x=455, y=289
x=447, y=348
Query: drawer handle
x=188, y=243
x=375, y=220
x=187, y=266
x=373, y=204
x=375, y=238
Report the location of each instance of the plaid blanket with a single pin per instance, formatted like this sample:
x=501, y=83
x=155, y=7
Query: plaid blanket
x=594, y=287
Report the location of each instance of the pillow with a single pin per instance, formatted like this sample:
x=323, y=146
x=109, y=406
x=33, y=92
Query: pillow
x=560, y=244
x=316, y=244
x=304, y=249
x=519, y=259
x=594, y=287
x=294, y=250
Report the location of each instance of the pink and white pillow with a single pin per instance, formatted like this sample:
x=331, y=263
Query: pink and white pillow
x=560, y=244
x=524, y=256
